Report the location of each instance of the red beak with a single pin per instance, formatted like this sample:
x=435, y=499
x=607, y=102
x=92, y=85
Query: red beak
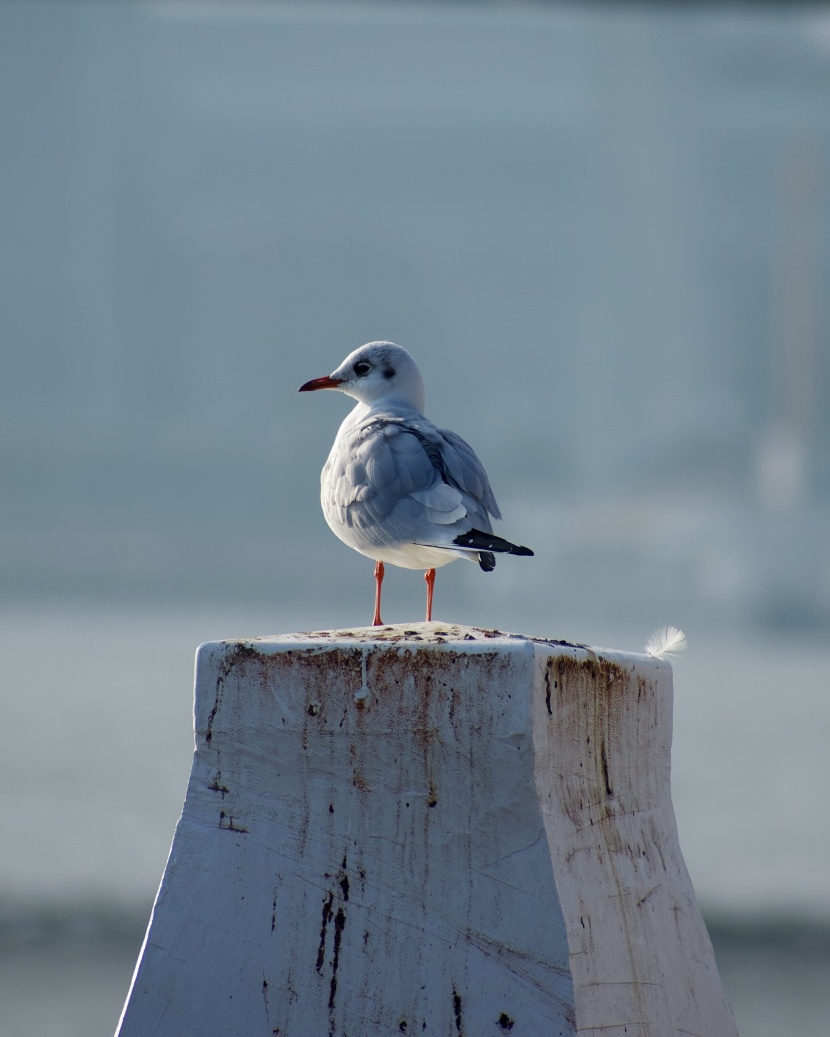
x=320, y=383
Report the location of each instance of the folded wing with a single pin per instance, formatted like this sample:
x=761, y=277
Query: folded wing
x=392, y=481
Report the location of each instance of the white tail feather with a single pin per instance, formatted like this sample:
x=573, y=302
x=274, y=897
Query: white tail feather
x=666, y=642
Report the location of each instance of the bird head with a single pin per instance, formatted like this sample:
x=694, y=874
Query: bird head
x=379, y=372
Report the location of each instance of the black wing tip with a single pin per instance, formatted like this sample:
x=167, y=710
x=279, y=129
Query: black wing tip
x=487, y=561
x=489, y=542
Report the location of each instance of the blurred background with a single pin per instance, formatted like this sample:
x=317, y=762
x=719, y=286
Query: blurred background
x=604, y=232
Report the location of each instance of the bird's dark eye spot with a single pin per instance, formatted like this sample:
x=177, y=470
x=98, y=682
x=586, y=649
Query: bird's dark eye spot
x=389, y=372
x=361, y=368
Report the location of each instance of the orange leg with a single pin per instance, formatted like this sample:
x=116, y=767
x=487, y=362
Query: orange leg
x=429, y=576
x=377, y=621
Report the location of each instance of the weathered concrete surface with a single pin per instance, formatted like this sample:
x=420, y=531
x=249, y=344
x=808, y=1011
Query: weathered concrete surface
x=640, y=956
x=426, y=830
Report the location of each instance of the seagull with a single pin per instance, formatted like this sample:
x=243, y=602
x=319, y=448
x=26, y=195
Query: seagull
x=397, y=488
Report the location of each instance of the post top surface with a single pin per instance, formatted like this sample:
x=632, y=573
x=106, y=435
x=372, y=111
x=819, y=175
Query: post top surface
x=408, y=634
x=431, y=636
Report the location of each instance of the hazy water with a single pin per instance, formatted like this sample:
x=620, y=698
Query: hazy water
x=95, y=754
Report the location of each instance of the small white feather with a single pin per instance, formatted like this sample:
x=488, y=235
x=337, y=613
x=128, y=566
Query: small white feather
x=666, y=642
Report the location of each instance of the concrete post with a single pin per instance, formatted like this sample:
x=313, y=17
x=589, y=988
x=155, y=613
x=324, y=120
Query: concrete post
x=432, y=830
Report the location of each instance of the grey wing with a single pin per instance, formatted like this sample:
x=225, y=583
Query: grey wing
x=389, y=483
x=467, y=472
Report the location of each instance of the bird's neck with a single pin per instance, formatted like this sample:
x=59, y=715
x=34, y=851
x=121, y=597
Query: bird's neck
x=395, y=405
x=356, y=415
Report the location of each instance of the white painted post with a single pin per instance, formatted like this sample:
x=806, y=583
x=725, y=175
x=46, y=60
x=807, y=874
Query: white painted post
x=427, y=830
